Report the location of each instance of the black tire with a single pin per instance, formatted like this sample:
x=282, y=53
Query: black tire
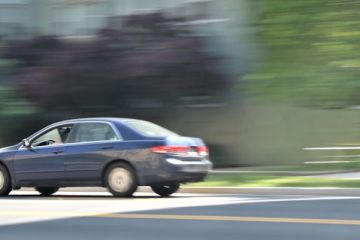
x=120, y=179
x=47, y=191
x=165, y=190
x=5, y=182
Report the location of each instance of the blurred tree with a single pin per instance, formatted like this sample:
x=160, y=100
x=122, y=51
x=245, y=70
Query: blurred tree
x=311, y=52
x=146, y=61
x=12, y=107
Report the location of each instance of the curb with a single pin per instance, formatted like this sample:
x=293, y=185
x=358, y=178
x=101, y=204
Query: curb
x=274, y=191
x=268, y=191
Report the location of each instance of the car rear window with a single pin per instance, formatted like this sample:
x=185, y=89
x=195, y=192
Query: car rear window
x=149, y=129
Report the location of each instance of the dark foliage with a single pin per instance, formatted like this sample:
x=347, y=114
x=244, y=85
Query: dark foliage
x=138, y=61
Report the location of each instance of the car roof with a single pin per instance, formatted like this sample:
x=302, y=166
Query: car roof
x=113, y=120
x=105, y=119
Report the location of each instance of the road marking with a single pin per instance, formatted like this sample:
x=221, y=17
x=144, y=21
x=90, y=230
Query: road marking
x=184, y=217
x=232, y=218
x=33, y=209
x=330, y=148
x=22, y=209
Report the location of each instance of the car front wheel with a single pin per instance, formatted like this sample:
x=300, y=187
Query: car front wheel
x=120, y=179
x=46, y=191
x=165, y=190
x=5, y=184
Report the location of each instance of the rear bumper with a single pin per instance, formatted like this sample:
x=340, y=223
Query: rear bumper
x=178, y=165
x=180, y=171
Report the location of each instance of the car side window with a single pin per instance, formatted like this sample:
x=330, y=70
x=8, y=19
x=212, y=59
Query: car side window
x=92, y=132
x=58, y=135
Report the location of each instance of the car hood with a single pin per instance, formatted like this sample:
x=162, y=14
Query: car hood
x=9, y=148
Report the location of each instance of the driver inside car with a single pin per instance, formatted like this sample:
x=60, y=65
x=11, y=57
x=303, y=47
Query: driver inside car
x=55, y=136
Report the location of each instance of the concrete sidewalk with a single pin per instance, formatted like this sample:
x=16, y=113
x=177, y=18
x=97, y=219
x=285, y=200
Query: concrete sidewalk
x=239, y=190
x=282, y=172
x=347, y=175
x=274, y=191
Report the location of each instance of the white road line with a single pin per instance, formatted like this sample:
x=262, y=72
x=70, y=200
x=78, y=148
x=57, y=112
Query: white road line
x=299, y=199
x=82, y=203
x=329, y=162
x=330, y=148
x=25, y=209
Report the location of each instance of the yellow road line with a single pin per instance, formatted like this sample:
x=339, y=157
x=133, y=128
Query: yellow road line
x=233, y=218
x=183, y=217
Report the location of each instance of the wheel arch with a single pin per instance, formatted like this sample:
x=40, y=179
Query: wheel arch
x=2, y=163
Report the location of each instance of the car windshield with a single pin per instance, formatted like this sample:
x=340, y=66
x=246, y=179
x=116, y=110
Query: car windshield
x=149, y=129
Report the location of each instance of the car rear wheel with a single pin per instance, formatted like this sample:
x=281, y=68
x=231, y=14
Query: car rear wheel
x=46, y=191
x=5, y=184
x=165, y=190
x=120, y=180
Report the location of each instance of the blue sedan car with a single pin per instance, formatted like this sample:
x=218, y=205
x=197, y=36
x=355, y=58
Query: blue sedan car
x=116, y=153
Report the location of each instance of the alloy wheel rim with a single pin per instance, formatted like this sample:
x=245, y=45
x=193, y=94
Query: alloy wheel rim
x=120, y=179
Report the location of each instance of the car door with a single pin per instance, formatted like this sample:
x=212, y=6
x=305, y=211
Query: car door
x=90, y=146
x=43, y=162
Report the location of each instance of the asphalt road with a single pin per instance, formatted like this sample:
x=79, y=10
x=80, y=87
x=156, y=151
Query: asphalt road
x=96, y=215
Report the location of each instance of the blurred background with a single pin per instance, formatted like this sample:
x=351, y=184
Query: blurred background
x=259, y=80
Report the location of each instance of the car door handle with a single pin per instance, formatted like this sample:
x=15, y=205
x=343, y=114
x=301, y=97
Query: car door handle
x=107, y=147
x=58, y=152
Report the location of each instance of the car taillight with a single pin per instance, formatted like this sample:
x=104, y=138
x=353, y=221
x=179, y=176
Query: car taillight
x=203, y=151
x=184, y=150
x=170, y=149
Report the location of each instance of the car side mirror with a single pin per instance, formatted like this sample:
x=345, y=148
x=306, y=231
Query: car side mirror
x=25, y=142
